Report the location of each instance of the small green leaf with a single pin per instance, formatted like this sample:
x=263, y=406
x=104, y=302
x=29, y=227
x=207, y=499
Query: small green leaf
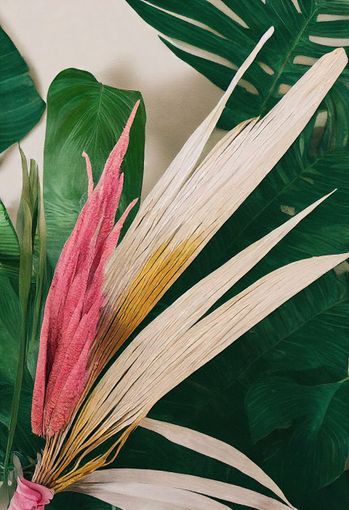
x=85, y=115
x=25, y=444
x=21, y=105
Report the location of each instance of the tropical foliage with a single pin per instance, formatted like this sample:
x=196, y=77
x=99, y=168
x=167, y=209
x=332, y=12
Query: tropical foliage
x=281, y=394
x=180, y=339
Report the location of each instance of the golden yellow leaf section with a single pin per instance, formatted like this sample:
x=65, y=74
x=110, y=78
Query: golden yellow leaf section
x=120, y=320
x=62, y=463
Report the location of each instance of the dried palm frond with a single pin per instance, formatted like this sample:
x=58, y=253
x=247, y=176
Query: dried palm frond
x=189, y=204
x=85, y=410
x=213, y=448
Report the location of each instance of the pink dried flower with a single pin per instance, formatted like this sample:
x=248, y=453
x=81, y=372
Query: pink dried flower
x=75, y=298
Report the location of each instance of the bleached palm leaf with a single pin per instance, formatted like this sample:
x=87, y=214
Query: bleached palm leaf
x=213, y=448
x=157, y=204
x=192, y=305
x=152, y=497
x=184, y=491
x=176, y=222
x=153, y=363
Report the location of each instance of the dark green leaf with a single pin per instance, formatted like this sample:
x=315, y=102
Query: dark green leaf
x=334, y=496
x=85, y=115
x=21, y=105
x=318, y=445
x=10, y=319
x=72, y=501
x=25, y=444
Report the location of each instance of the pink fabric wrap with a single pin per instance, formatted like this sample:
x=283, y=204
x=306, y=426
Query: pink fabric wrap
x=30, y=496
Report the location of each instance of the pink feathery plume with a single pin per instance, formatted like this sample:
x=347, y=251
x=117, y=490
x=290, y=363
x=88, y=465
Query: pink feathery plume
x=75, y=299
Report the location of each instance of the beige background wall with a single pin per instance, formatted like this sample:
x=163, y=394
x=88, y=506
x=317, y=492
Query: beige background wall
x=107, y=38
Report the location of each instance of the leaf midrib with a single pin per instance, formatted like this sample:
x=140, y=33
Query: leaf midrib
x=98, y=114
x=286, y=60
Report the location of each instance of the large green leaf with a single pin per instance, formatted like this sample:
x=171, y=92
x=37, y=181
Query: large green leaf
x=317, y=448
x=217, y=31
x=85, y=115
x=21, y=105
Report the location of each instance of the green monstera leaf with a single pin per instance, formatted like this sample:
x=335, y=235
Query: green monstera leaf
x=85, y=115
x=21, y=105
x=304, y=31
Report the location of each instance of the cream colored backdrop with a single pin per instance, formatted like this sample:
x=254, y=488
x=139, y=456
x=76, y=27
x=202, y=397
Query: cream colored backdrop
x=107, y=38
